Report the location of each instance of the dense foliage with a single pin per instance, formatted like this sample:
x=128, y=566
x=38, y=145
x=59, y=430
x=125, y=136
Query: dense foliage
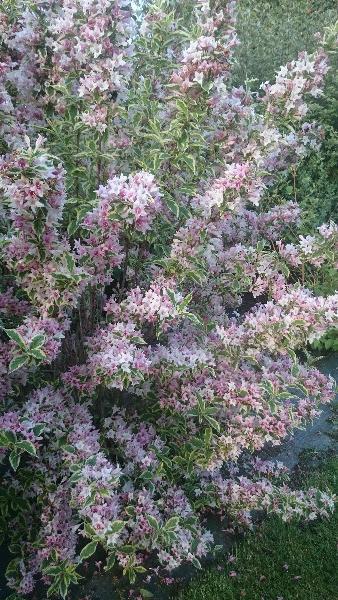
x=152, y=309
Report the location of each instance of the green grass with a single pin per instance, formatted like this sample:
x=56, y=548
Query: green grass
x=291, y=561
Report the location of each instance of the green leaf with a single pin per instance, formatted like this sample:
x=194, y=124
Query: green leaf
x=37, y=354
x=172, y=296
x=130, y=510
x=52, y=570
x=68, y=448
x=267, y=385
x=14, y=335
x=194, y=319
x=166, y=461
x=185, y=302
x=75, y=477
x=284, y=395
x=293, y=356
x=63, y=587
x=146, y=593
x=147, y=475
x=208, y=436
x=27, y=447
x=136, y=339
x=190, y=162
x=72, y=227
x=131, y=575
x=213, y=423
x=197, y=276
x=38, y=429
x=153, y=522
x=110, y=562
x=14, y=459
x=12, y=568
x=127, y=549
x=172, y=523
x=302, y=388
x=62, y=278
x=53, y=589
x=17, y=363
x=89, y=501
x=37, y=342
x=10, y=436
x=140, y=569
x=116, y=526
x=89, y=530
x=88, y=550
x=295, y=370
x=196, y=563
x=172, y=205
x=4, y=443
x=70, y=262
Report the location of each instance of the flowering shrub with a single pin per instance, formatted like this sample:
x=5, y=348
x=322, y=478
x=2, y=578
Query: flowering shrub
x=152, y=311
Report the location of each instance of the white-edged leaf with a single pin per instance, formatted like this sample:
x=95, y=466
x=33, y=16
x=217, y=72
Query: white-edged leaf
x=37, y=341
x=116, y=526
x=173, y=206
x=17, y=362
x=27, y=447
x=153, y=522
x=172, y=523
x=14, y=459
x=14, y=335
x=88, y=550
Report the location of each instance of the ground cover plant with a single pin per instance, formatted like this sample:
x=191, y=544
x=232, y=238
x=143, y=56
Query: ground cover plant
x=152, y=310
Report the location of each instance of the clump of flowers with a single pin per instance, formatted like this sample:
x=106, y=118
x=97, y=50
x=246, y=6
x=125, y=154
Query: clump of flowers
x=152, y=310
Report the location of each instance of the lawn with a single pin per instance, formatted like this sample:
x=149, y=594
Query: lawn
x=279, y=562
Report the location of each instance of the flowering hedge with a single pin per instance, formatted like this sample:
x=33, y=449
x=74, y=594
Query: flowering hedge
x=152, y=312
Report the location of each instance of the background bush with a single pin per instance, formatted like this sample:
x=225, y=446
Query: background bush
x=272, y=33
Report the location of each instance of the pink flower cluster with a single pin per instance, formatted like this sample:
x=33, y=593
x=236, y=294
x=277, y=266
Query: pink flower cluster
x=302, y=76
x=34, y=196
x=316, y=250
x=248, y=226
x=91, y=485
x=236, y=176
x=52, y=331
x=207, y=58
x=125, y=203
x=11, y=305
x=114, y=359
x=242, y=495
x=151, y=306
x=90, y=43
x=135, y=200
x=251, y=406
x=289, y=323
